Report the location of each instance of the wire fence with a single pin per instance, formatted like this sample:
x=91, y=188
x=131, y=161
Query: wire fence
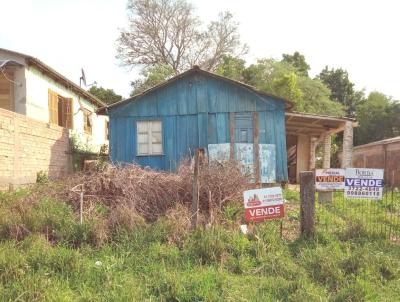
x=369, y=218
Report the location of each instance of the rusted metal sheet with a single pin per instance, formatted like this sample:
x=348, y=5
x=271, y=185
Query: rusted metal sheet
x=267, y=163
x=219, y=152
x=245, y=155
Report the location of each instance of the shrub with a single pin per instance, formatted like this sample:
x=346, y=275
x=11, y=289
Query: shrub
x=42, y=177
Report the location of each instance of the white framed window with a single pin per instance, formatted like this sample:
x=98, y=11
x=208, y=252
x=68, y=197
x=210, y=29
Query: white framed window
x=149, y=138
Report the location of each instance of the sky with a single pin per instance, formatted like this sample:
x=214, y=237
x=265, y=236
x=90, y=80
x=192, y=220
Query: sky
x=361, y=37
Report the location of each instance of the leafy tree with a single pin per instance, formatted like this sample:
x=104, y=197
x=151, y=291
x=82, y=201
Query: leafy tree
x=276, y=77
x=298, y=61
x=167, y=32
x=108, y=96
x=378, y=117
x=315, y=98
x=287, y=86
x=232, y=68
x=281, y=78
x=267, y=76
x=151, y=77
x=342, y=89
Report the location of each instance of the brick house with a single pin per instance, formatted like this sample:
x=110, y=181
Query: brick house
x=31, y=88
x=40, y=110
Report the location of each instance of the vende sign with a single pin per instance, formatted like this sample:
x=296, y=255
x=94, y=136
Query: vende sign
x=329, y=179
x=364, y=183
x=263, y=204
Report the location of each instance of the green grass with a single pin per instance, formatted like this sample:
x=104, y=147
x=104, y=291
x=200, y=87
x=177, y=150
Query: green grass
x=45, y=255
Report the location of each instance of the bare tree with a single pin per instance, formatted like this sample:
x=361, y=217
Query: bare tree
x=167, y=32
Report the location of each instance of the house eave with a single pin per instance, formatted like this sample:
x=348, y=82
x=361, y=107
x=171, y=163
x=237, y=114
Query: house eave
x=56, y=76
x=64, y=81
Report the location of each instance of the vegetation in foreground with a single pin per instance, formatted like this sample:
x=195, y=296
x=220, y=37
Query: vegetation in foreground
x=46, y=255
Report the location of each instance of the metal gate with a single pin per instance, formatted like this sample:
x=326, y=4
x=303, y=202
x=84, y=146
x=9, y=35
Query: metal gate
x=356, y=218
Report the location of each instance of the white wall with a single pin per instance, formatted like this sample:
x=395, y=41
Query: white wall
x=37, y=86
x=31, y=99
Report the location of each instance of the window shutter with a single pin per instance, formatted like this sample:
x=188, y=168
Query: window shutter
x=61, y=111
x=53, y=107
x=68, y=113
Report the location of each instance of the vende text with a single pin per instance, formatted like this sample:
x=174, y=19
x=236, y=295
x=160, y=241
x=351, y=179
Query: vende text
x=356, y=182
x=330, y=178
x=264, y=213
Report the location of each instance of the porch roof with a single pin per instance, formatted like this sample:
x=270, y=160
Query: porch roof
x=314, y=125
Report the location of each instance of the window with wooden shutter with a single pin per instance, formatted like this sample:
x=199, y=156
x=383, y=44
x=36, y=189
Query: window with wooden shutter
x=149, y=138
x=60, y=110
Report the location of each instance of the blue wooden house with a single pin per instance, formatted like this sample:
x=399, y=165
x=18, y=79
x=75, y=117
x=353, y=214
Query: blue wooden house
x=199, y=109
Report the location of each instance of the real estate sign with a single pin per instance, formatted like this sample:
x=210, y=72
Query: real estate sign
x=364, y=183
x=329, y=179
x=263, y=204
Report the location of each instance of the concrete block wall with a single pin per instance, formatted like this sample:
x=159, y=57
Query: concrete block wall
x=28, y=146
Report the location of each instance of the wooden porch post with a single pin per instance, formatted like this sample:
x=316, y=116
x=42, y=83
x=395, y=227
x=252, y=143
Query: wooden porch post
x=347, y=154
x=313, y=146
x=327, y=143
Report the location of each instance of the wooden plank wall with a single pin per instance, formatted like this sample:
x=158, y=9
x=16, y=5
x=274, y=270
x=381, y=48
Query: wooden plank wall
x=196, y=111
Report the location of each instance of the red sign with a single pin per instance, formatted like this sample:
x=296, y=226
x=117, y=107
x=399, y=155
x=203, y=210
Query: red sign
x=263, y=204
x=264, y=213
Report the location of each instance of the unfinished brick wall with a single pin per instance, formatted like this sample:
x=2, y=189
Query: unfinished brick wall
x=380, y=156
x=28, y=146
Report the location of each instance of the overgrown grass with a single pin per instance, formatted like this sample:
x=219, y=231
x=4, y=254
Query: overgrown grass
x=46, y=255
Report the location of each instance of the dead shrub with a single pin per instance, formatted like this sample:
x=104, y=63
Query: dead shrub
x=127, y=197
x=178, y=220
x=101, y=231
x=126, y=218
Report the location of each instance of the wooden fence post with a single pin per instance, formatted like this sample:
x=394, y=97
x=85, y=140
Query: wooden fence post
x=195, y=196
x=307, y=206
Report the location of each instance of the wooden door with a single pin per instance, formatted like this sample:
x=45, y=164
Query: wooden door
x=244, y=127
